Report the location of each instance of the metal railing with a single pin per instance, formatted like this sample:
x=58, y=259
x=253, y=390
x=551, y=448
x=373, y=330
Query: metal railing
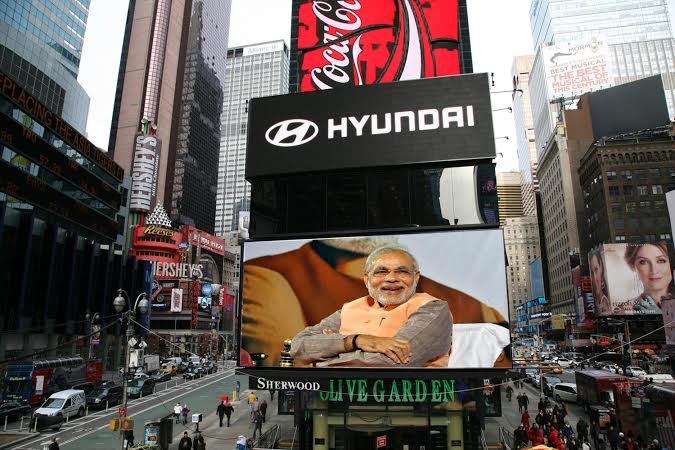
x=269, y=438
x=506, y=438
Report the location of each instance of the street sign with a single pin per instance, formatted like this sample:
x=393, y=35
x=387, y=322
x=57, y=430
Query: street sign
x=196, y=418
x=381, y=441
x=122, y=411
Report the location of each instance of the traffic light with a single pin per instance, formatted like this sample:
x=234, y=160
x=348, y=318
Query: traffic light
x=126, y=424
x=114, y=424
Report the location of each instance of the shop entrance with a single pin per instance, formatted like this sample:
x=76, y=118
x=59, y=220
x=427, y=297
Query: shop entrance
x=410, y=438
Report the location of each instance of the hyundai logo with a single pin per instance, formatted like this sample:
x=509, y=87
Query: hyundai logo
x=291, y=133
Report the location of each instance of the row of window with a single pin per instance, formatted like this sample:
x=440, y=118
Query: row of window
x=628, y=189
x=645, y=238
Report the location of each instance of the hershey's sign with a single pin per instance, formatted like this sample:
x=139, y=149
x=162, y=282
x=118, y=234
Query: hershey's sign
x=144, y=172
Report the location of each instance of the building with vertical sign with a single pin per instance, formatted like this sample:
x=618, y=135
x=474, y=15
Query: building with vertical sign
x=41, y=47
x=258, y=70
x=60, y=215
x=166, y=119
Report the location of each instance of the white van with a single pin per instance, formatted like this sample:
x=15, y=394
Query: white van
x=69, y=403
x=658, y=377
x=566, y=392
x=173, y=360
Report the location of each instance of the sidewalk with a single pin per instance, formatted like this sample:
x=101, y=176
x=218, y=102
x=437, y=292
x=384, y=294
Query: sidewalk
x=240, y=423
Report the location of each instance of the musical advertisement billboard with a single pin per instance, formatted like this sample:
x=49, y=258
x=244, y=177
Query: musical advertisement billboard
x=631, y=279
x=356, y=42
x=413, y=300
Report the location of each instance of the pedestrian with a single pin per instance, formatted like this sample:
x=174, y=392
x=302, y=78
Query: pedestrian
x=185, y=412
x=539, y=419
x=525, y=420
x=251, y=400
x=227, y=409
x=272, y=391
x=509, y=392
x=567, y=430
x=220, y=411
x=263, y=410
x=258, y=420
x=582, y=430
x=526, y=400
x=185, y=443
x=572, y=443
x=129, y=438
x=53, y=445
x=541, y=406
x=520, y=437
x=176, y=411
x=535, y=435
x=237, y=388
x=241, y=442
x=519, y=398
x=613, y=437
x=622, y=441
x=200, y=443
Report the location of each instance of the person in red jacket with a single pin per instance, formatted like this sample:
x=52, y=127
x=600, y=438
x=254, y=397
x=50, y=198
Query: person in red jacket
x=535, y=435
x=554, y=439
x=525, y=420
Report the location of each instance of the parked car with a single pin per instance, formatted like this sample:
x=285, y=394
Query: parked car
x=140, y=386
x=635, y=372
x=13, y=410
x=192, y=373
x=86, y=387
x=209, y=367
x=58, y=407
x=529, y=373
x=550, y=381
x=161, y=376
x=105, y=395
x=182, y=367
x=565, y=392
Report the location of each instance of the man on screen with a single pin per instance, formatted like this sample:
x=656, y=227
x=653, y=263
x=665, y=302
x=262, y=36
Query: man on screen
x=391, y=326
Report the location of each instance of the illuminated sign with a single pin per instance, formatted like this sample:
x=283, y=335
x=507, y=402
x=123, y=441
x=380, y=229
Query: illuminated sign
x=177, y=270
x=144, y=172
x=153, y=230
x=352, y=43
x=21, y=98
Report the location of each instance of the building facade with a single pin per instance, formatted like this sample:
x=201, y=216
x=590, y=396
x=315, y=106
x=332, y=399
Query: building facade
x=526, y=148
x=521, y=241
x=509, y=196
x=638, y=37
x=170, y=80
x=61, y=200
x=41, y=47
x=259, y=70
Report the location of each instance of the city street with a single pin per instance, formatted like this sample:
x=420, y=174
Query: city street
x=89, y=432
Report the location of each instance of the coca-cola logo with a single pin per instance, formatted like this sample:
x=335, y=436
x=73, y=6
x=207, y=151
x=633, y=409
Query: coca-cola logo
x=352, y=42
x=291, y=133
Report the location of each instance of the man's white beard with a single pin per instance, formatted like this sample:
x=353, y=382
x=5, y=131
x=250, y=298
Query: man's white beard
x=388, y=301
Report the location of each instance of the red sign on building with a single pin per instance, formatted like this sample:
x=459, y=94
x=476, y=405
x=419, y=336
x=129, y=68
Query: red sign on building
x=195, y=301
x=381, y=441
x=365, y=42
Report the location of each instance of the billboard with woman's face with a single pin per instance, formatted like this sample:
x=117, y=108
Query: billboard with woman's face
x=631, y=279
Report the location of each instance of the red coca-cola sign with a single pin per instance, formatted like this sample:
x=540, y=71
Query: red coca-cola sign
x=358, y=42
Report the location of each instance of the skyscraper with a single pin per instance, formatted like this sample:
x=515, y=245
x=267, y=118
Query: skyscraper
x=522, y=115
x=638, y=38
x=171, y=74
x=252, y=71
x=40, y=48
x=508, y=195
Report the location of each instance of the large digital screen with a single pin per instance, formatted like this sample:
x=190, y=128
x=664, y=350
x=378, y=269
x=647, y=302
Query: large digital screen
x=631, y=279
x=409, y=300
x=356, y=42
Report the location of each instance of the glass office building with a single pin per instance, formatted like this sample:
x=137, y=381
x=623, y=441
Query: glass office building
x=253, y=71
x=41, y=47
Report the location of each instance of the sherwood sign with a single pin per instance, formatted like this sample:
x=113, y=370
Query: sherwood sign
x=369, y=390
x=410, y=122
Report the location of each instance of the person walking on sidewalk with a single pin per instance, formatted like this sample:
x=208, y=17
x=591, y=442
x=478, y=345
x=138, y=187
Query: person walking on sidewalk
x=519, y=398
x=185, y=443
x=256, y=408
x=272, y=391
x=509, y=392
x=251, y=399
x=258, y=423
x=582, y=430
x=525, y=420
x=220, y=411
x=176, y=411
x=200, y=443
x=526, y=400
x=185, y=412
x=263, y=410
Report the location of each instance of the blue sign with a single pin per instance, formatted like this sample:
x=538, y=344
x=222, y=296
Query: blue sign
x=207, y=289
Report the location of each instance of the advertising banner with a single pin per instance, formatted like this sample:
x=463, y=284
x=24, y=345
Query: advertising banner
x=176, y=300
x=537, y=278
x=409, y=122
x=631, y=279
x=144, y=172
x=448, y=309
x=356, y=42
x=668, y=308
x=575, y=68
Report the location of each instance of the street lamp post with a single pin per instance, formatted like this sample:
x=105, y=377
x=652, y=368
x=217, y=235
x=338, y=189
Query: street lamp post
x=120, y=302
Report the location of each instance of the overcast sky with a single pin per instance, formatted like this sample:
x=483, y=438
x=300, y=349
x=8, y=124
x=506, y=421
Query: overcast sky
x=499, y=31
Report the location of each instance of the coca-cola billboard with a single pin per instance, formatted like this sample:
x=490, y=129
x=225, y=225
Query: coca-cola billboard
x=408, y=122
x=358, y=42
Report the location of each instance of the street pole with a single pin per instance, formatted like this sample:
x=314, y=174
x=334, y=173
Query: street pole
x=626, y=331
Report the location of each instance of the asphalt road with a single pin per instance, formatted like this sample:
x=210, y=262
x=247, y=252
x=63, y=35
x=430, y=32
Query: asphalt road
x=92, y=432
